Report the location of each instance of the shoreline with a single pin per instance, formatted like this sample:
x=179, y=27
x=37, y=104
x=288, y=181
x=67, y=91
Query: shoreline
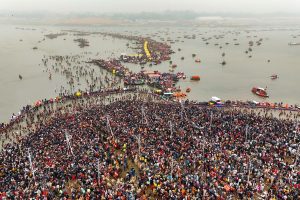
x=168, y=51
x=72, y=104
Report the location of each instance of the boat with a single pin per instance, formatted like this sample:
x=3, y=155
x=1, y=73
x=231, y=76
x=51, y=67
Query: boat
x=195, y=78
x=274, y=76
x=180, y=75
x=197, y=60
x=174, y=66
x=188, y=89
x=20, y=77
x=158, y=91
x=260, y=91
x=223, y=63
x=294, y=43
x=179, y=95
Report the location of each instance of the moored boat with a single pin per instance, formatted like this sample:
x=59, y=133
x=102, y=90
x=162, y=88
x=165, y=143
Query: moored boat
x=294, y=43
x=274, y=76
x=195, y=78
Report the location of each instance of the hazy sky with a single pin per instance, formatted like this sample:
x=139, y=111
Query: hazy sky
x=104, y=6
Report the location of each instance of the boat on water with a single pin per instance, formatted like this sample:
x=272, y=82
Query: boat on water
x=188, y=89
x=180, y=75
x=294, y=43
x=195, y=78
x=260, y=91
x=197, y=60
x=274, y=76
x=179, y=95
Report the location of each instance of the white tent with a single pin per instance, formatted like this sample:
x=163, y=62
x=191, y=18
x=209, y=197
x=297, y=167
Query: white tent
x=215, y=99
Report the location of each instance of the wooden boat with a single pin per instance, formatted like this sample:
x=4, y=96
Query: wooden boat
x=294, y=43
x=274, y=76
x=179, y=95
x=195, y=78
x=260, y=91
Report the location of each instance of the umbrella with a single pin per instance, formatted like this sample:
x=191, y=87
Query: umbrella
x=78, y=94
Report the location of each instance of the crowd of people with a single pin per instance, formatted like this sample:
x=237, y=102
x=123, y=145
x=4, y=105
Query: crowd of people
x=132, y=149
x=126, y=144
x=163, y=81
x=154, y=52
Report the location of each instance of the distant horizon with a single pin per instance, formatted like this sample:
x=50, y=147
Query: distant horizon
x=137, y=6
x=11, y=13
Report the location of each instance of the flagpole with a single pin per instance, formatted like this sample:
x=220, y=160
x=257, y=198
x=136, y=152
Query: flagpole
x=172, y=168
x=109, y=127
x=247, y=126
x=171, y=128
x=98, y=171
x=68, y=142
x=211, y=118
x=30, y=163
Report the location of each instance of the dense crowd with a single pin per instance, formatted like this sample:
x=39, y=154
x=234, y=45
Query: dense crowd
x=109, y=144
x=163, y=81
x=158, y=51
x=131, y=149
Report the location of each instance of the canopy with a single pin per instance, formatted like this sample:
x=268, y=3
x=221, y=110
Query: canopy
x=78, y=94
x=38, y=103
x=215, y=99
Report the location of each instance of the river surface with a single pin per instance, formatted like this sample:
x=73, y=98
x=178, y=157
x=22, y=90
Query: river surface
x=231, y=81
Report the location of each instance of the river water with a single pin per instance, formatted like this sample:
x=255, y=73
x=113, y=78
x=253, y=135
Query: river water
x=231, y=81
